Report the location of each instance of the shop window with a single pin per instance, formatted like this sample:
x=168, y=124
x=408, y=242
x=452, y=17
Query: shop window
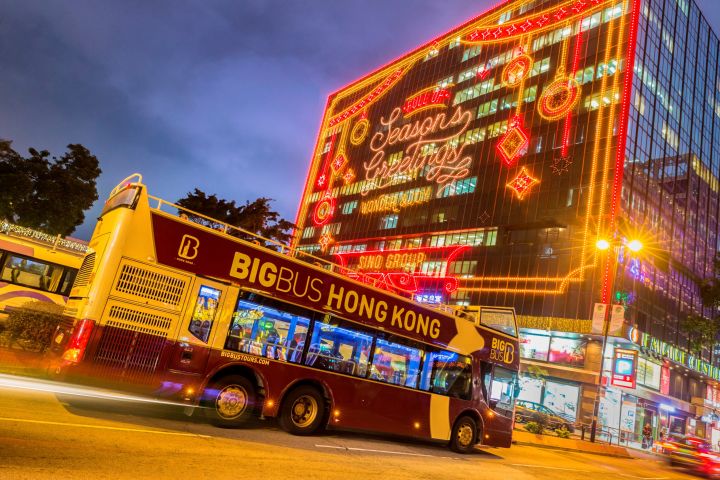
x=339, y=349
x=567, y=351
x=268, y=328
x=562, y=399
x=206, y=306
x=396, y=364
x=534, y=347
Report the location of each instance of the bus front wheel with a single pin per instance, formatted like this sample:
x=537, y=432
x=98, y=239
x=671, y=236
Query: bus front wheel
x=464, y=435
x=230, y=401
x=303, y=411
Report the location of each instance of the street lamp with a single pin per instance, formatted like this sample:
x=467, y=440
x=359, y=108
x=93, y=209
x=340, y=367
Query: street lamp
x=604, y=245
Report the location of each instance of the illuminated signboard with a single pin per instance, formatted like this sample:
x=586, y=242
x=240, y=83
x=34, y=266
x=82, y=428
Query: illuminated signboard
x=624, y=368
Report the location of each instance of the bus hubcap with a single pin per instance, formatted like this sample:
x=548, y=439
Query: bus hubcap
x=304, y=411
x=465, y=435
x=231, y=401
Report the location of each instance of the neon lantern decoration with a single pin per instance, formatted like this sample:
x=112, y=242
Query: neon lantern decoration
x=559, y=98
x=522, y=183
x=360, y=132
x=324, y=210
x=514, y=143
x=516, y=70
x=325, y=241
x=425, y=99
x=349, y=176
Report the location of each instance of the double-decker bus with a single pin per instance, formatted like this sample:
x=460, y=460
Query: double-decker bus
x=35, y=266
x=192, y=313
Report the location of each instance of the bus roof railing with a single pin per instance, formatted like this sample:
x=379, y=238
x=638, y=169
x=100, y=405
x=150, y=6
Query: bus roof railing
x=54, y=241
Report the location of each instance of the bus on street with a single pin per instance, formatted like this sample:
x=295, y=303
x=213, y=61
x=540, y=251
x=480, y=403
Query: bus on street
x=35, y=266
x=177, y=305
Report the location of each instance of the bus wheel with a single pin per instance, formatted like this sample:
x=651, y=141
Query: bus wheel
x=464, y=434
x=230, y=401
x=303, y=411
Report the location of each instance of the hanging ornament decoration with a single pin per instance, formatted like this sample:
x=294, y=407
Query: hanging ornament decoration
x=360, y=132
x=522, y=183
x=326, y=239
x=514, y=143
x=559, y=98
x=516, y=70
x=324, y=210
x=349, y=176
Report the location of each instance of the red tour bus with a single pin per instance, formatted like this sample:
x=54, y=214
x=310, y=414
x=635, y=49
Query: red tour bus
x=187, y=311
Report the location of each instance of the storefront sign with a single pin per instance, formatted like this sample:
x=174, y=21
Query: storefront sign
x=624, y=368
x=665, y=380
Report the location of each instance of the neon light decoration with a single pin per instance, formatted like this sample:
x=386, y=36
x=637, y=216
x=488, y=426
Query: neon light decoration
x=360, y=131
x=516, y=70
x=394, y=202
x=514, y=143
x=533, y=23
x=522, y=183
x=339, y=162
x=349, y=176
x=560, y=165
x=322, y=179
x=559, y=98
x=432, y=97
x=368, y=99
x=324, y=210
x=484, y=72
x=326, y=239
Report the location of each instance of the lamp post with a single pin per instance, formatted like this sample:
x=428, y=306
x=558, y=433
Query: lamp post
x=604, y=245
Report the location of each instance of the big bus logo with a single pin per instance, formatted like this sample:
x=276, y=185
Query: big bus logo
x=188, y=247
x=502, y=351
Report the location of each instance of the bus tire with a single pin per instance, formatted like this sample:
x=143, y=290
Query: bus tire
x=303, y=411
x=464, y=435
x=230, y=401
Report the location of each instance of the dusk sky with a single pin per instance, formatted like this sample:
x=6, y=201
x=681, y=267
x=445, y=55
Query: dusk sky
x=221, y=95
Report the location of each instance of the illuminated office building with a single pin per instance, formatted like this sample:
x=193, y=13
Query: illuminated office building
x=483, y=167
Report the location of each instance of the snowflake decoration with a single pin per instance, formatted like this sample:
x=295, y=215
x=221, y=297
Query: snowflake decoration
x=561, y=165
x=349, y=176
x=321, y=180
x=339, y=162
x=522, y=183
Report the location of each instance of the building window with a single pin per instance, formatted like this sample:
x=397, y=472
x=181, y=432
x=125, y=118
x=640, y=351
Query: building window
x=388, y=221
x=460, y=187
x=308, y=232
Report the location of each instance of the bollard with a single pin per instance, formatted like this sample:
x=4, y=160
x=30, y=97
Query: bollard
x=582, y=432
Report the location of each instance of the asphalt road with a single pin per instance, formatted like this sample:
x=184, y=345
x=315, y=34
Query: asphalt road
x=45, y=435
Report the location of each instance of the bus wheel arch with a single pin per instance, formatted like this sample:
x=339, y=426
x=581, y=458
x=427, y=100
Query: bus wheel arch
x=467, y=431
x=232, y=397
x=304, y=408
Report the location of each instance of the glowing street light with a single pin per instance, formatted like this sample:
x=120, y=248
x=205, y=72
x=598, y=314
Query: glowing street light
x=602, y=244
x=635, y=246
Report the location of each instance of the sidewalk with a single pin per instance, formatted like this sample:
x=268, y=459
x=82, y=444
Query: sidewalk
x=19, y=362
x=521, y=437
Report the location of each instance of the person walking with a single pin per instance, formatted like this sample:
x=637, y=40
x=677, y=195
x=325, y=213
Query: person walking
x=647, y=439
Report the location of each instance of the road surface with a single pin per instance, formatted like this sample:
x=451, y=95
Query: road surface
x=46, y=435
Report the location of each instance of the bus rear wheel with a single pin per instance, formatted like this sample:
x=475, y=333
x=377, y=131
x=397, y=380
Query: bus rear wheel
x=230, y=401
x=464, y=435
x=303, y=411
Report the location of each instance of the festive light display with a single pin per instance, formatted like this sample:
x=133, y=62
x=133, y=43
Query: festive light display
x=561, y=165
x=349, y=176
x=369, y=99
x=326, y=239
x=360, y=131
x=16, y=230
x=514, y=143
x=339, y=162
x=428, y=98
x=522, y=183
x=516, y=70
x=324, y=210
x=559, y=98
x=394, y=202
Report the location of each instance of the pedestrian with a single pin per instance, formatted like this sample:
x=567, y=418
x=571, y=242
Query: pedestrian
x=647, y=436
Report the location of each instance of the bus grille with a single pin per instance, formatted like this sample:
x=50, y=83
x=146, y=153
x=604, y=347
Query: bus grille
x=83, y=275
x=142, y=322
x=150, y=285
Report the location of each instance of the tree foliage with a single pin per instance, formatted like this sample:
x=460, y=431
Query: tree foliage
x=703, y=330
x=47, y=193
x=256, y=217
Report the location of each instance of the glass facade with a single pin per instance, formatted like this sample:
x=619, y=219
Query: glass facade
x=481, y=168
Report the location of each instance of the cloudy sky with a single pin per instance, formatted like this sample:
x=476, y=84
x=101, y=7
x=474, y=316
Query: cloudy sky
x=223, y=95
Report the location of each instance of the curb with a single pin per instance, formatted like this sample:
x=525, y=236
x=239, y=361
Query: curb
x=576, y=450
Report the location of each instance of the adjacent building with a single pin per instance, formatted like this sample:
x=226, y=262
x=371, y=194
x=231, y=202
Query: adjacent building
x=484, y=166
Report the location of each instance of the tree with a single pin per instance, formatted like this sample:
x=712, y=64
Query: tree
x=256, y=217
x=703, y=330
x=47, y=193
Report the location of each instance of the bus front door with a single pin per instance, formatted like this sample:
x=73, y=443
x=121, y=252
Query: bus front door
x=194, y=339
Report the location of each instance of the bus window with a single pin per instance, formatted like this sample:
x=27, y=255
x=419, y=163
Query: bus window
x=31, y=273
x=503, y=390
x=204, y=315
x=395, y=363
x=266, y=331
x=447, y=373
x=67, y=281
x=338, y=349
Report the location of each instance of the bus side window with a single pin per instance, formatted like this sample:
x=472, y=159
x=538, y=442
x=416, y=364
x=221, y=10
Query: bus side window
x=339, y=349
x=396, y=363
x=447, y=373
x=268, y=331
x=203, y=317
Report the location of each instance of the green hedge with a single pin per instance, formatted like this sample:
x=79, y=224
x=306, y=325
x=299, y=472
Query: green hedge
x=32, y=325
